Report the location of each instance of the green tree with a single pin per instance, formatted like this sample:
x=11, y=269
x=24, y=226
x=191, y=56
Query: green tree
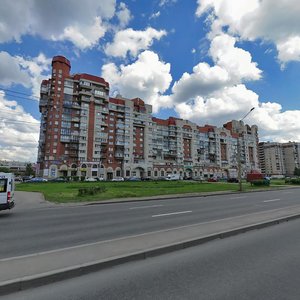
x=4, y=170
x=297, y=172
x=29, y=171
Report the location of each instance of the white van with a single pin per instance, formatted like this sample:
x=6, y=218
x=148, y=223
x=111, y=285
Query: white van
x=174, y=177
x=7, y=187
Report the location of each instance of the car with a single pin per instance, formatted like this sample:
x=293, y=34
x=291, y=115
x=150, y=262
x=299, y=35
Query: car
x=99, y=178
x=161, y=178
x=90, y=179
x=212, y=180
x=146, y=179
x=233, y=180
x=37, y=180
x=118, y=179
x=58, y=179
x=134, y=179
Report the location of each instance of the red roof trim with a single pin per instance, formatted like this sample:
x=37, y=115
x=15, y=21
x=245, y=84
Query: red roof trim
x=117, y=101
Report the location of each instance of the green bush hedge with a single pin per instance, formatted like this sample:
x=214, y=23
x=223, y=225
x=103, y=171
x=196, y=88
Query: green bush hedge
x=93, y=190
x=293, y=181
x=260, y=182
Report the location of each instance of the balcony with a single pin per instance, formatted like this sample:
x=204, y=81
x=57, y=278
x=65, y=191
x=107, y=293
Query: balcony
x=119, y=155
x=120, y=143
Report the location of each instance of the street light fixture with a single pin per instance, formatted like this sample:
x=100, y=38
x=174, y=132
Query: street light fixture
x=239, y=150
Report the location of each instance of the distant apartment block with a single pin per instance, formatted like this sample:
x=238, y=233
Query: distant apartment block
x=84, y=132
x=279, y=158
x=17, y=167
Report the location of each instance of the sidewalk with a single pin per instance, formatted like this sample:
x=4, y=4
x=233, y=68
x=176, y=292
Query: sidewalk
x=42, y=268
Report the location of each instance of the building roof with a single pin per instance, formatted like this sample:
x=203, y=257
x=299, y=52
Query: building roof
x=91, y=78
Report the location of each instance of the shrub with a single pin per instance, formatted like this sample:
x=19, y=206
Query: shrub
x=295, y=181
x=260, y=182
x=93, y=190
x=82, y=178
x=75, y=178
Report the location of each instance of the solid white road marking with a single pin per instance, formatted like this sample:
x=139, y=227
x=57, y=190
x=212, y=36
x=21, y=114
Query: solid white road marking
x=148, y=206
x=239, y=197
x=174, y=213
x=272, y=200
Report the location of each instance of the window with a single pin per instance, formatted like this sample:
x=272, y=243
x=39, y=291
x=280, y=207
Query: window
x=3, y=185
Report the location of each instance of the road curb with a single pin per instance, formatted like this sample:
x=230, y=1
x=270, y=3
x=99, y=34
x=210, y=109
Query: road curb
x=19, y=284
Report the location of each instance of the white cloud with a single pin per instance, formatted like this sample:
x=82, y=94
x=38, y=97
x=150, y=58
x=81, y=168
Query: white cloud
x=133, y=41
x=155, y=15
x=37, y=68
x=83, y=37
x=11, y=72
x=232, y=66
x=28, y=71
x=147, y=78
x=19, y=132
x=236, y=61
x=203, y=81
x=221, y=106
x=232, y=103
x=81, y=23
x=255, y=19
x=289, y=49
x=123, y=15
x=167, y=2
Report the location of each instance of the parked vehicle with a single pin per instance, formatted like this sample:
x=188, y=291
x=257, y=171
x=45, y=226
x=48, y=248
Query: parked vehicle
x=58, y=179
x=99, y=178
x=146, y=179
x=212, y=180
x=255, y=175
x=233, y=180
x=134, y=179
x=36, y=180
x=7, y=188
x=118, y=179
x=90, y=179
x=174, y=177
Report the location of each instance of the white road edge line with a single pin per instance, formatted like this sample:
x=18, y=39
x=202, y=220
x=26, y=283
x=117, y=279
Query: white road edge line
x=239, y=197
x=148, y=206
x=174, y=213
x=272, y=200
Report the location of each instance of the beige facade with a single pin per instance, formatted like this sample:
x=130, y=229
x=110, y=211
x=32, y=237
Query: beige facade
x=279, y=158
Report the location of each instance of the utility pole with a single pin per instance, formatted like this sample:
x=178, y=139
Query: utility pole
x=239, y=150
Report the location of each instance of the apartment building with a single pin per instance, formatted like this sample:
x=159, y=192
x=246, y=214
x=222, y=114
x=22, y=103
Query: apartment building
x=279, y=158
x=84, y=132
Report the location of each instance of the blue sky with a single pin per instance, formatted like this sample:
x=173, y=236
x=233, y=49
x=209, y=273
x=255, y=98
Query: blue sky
x=208, y=61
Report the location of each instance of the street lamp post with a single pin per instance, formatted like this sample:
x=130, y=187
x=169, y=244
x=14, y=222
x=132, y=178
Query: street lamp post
x=239, y=151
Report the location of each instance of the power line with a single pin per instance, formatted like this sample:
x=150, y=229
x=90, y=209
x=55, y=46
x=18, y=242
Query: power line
x=16, y=92
x=19, y=122
x=14, y=112
x=21, y=97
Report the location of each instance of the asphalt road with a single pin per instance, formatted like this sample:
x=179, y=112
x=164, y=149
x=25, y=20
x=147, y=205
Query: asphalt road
x=25, y=231
x=260, y=265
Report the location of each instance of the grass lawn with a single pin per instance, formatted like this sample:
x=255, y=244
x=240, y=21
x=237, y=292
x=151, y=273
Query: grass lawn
x=68, y=192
